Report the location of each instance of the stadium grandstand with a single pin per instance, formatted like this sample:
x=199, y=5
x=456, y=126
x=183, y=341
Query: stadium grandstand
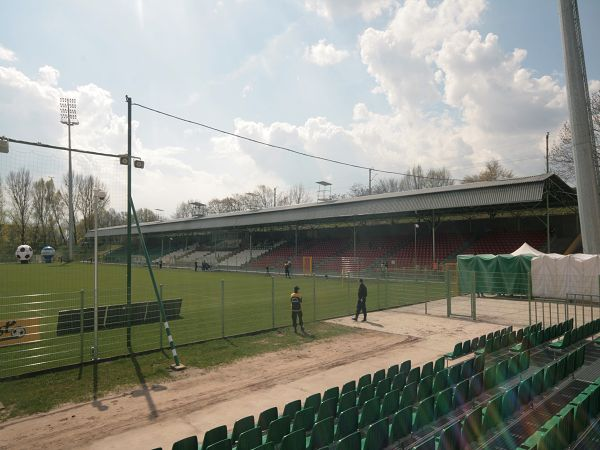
x=424, y=228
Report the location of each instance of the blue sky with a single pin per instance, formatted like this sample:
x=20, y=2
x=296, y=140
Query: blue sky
x=381, y=83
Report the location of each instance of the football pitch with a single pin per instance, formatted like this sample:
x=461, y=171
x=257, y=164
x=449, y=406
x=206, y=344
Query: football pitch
x=213, y=305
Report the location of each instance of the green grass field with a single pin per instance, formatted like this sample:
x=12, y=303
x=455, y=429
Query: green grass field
x=215, y=304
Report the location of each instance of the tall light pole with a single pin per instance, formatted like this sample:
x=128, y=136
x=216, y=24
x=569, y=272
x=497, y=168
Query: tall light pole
x=98, y=197
x=68, y=116
x=158, y=210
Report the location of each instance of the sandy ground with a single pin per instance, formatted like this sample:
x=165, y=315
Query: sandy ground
x=158, y=415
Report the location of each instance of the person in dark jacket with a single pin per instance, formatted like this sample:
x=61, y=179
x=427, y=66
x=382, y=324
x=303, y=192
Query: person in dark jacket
x=361, y=305
x=296, y=301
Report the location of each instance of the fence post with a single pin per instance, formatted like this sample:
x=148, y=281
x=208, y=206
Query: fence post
x=273, y=302
x=448, y=293
x=550, y=312
x=81, y=334
x=160, y=325
x=222, y=308
x=543, y=313
x=314, y=298
x=575, y=308
x=348, y=285
x=529, y=296
x=473, y=295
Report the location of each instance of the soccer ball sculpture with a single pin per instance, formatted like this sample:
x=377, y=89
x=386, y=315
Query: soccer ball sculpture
x=24, y=253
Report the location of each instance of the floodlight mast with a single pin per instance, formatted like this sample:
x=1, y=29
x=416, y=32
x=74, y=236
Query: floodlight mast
x=68, y=116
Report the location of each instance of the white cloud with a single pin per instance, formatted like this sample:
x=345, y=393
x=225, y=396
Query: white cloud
x=324, y=54
x=331, y=9
x=7, y=54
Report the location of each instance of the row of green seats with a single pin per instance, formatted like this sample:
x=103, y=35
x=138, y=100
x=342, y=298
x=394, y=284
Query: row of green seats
x=572, y=336
x=470, y=431
x=565, y=426
x=537, y=336
x=477, y=343
x=508, y=340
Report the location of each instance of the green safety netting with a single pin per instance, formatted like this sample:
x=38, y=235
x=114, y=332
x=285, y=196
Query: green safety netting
x=494, y=274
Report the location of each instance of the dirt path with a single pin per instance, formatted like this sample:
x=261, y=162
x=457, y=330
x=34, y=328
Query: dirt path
x=198, y=400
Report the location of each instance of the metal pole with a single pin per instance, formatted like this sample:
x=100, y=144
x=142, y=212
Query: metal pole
x=370, y=190
x=160, y=325
x=448, y=294
x=222, y=308
x=433, y=234
x=273, y=302
x=314, y=298
x=81, y=330
x=529, y=295
x=415, y=257
x=95, y=276
x=71, y=214
x=543, y=313
x=547, y=198
x=129, y=207
x=473, y=297
x=575, y=308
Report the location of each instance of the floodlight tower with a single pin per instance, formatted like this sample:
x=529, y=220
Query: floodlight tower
x=586, y=164
x=68, y=116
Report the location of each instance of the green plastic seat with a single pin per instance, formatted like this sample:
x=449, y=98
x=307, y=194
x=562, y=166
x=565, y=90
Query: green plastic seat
x=378, y=376
x=471, y=429
x=391, y=403
x=523, y=361
x=328, y=408
x=492, y=414
x=408, y=396
x=399, y=381
x=537, y=383
x=423, y=414
x=313, y=401
x=509, y=402
x=424, y=388
x=401, y=426
x=370, y=412
x=466, y=347
x=476, y=385
x=296, y=440
x=414, y=376
x=489, y=377
x=549, y=377
x=291, y=408
x=350, y=442
x=449, y=438
x=513, y=366
x=519, y=335
x=440, y=381
x=190, y=443
x=377, y=436
x=383, y=387
x=347, y=401
x=460, y=394
x=347, y=423
x=213, y=436
x=466, y=370
x=454, y=374
x=265, y=446
x=363, y=381
x=429, y=444
x=347, y=387
x=322, y=434
x=392, y=371
x=332, y=392
x=439, y=365
x=365, y=394
x=250, y=439
x=406, y=366
x=304, y=419
x=474, y=344
x=241, y=425
x=266, y=417
x=427, y=370
x=564, y=343
x=580, y=357
x=524, y=345
x=487, y=349
x=571, y=363
x=278, y=429
x=456, y=353
x=478, y=364
x=443, y=403
x=524, y=393
x=496, y=343
x=225, y=444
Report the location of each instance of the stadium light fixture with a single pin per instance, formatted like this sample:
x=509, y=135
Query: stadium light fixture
x=68, y=116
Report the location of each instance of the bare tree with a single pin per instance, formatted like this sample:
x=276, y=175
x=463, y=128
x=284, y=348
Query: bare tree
x=416, y=178
x=42, y=192
x=146, y=215
x=561, y=152
x=493, y=171
x=18, y=185
x=85, y=201
x=298, y=194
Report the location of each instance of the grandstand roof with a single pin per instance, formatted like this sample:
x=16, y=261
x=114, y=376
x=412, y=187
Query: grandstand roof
x=516, y=193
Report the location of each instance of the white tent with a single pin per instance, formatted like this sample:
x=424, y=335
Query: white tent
x=556, y=276
x=526, y=249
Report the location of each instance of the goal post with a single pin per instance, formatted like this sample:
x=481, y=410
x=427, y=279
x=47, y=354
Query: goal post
x=307, y=265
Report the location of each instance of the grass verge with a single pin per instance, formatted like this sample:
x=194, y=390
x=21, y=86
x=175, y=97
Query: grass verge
x=46, y=391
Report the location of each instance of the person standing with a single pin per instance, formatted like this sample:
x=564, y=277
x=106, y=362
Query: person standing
x=361, y=305
x=196, y=266
x=296, y=301
x=286, y=268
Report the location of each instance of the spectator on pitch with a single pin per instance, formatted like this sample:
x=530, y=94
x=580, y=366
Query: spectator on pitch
x=286, y=267
x=195, y=266
x=296, y=301
x=361, y=305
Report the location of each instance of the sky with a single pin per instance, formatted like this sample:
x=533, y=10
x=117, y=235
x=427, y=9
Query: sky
x=386, y=84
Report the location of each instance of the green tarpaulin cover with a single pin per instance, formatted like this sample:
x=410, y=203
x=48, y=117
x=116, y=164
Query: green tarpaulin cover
x=494, y=274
